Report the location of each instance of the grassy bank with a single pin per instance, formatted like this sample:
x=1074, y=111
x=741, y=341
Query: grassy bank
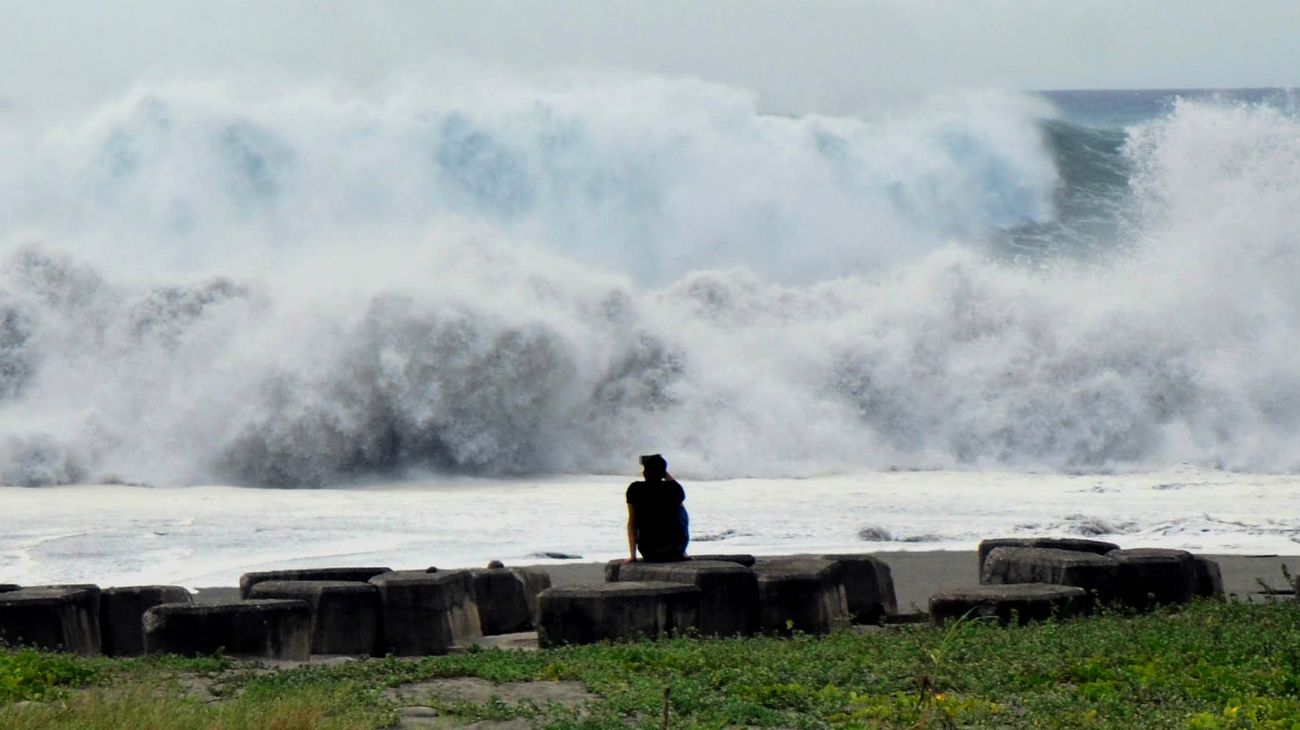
x=1210, y=665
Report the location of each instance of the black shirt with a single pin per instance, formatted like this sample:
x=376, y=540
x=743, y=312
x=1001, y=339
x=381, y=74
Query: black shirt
x=658, y=518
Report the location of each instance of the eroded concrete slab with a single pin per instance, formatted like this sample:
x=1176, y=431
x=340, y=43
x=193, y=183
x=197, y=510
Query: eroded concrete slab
x=478, y=691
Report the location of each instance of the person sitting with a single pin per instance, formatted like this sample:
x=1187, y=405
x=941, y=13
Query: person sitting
x=657, y=522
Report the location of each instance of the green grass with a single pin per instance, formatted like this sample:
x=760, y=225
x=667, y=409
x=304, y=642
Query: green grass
x=1210, y=665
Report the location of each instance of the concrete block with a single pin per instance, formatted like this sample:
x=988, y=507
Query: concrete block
x=268, y=629
x=248, y=580
x=426, y=613
x=1209, y=578
x=615, y=611
x=1094, y=573
x=1022, y=602
x=868, y=587
x=612, y=569
x=737, y=558
x=728, y=592
x=507, y=598
x=535, y=581
x=57, y=618
x=1077, y=544
x=121, y=615
x=1149, y=577
x=800, y=594
x=344, y=614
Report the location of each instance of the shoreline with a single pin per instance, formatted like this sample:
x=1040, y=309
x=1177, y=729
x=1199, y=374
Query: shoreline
x=204, y=536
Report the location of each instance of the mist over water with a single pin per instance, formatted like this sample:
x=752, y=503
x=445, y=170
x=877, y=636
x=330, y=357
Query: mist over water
x=202, y=287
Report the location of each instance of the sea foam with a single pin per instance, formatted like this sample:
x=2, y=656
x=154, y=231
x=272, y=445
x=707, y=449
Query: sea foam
x=311, y=290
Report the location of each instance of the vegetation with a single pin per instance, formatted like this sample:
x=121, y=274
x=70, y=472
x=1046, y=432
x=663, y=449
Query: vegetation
x=1209, y=665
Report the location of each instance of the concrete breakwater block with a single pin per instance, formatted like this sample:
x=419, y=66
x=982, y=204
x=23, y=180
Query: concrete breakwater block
x=868, y=587
x=121, y=615
x=800, y=594
x=248, y=580
x=624, y=610
x=1076, y=544
x=57, y=618
x=1148, y=577
x=1209, y=578
x=728, y=592
x=612, y=569
x=426, y=613
x=535, y=581
x=268, y=629
x=1096, y=574
x=1021, y=602
x=344, y=614
x=737, y=558
x=507, y=598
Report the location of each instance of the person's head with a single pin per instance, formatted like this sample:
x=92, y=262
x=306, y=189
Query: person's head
x=654, y=467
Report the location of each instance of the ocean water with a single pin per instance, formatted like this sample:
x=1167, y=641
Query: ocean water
x=501, y=283
x=207, y=535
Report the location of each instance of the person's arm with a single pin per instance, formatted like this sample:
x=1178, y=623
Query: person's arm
x=631, y=533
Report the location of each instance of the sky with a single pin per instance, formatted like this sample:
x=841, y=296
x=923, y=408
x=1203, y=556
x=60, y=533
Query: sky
x=828, y=56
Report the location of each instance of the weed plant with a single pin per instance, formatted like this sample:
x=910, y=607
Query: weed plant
x=1208, y=665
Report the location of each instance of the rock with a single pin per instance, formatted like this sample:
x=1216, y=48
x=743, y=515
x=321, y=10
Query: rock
x=875, y=534
x=552, y=555
x=615, y=611
x=728, y=592
x=1209, y=578
x=344, y=614
x=1023, y=602
x=1094, y=573
x=507, y=599
x=868, y=587
x=7, y=587
x=493, y=565
x=1077, y=544
x=268, y=629
x=800, y=594
x=121, y=615
x=1149, y=577
x=426, y=613
x=56, y=618
x=248, y=580
x=739, y=559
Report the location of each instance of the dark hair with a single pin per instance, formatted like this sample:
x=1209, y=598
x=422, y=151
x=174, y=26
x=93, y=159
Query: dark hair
x=654, y=465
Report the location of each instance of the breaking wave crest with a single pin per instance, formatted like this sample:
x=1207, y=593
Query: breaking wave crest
x=308, y=291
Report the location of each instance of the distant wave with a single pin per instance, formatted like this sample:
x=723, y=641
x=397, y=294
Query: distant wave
x=311, y=291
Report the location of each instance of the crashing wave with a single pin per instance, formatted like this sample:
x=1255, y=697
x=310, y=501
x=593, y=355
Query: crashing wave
x=307, y=292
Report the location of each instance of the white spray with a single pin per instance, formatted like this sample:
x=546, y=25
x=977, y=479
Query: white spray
x=309, y=291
